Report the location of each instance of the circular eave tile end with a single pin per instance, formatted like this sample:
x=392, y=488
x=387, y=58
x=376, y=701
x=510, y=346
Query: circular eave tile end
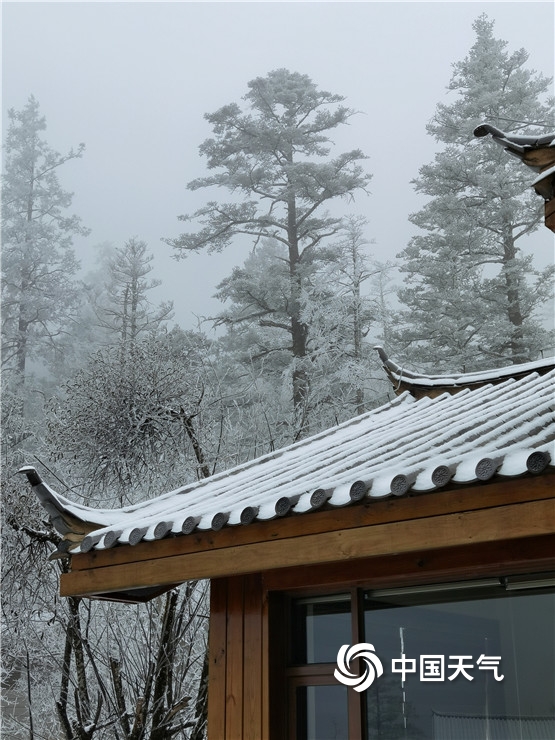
x=110, y=539
x=441, y=476
x=285, y=504
x=249, y=514
x=161, y=530
x=487, y=467
x=136, y=535
x=400, y=485
x=537, y=462
x=219, y=521
x=319, y=498
x=190, y=524
x=358, y=490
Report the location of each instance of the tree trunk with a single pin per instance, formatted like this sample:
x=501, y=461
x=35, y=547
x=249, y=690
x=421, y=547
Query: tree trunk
x=514, y=312
x=61, y=704
x=197, y=449
x=77, y=642
x=357, y=334
x=201, y=706
x=164, y=661
x=30, y=700
x=134, y=305
x=299, y=330
x=22, y=319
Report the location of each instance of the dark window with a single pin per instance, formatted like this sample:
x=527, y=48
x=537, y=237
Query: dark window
x=320, y=623
x=323, y=712
x=510, y=621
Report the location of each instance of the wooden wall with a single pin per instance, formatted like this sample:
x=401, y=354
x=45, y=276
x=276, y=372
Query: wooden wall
x=238, y=669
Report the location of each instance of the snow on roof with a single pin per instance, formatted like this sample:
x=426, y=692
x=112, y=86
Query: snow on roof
x=506, y=429
x=516, y=143
x=399, y=374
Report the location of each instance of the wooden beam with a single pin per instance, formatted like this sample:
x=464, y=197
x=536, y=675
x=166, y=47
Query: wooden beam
x=267, y=645
x=542, y=158
x=252, y=676
x=368, y=512
x=533, y=518
x=479, y=560
x=550, y=214
x=236, y=684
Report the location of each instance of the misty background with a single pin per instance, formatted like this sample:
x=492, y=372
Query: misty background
x=133, y=80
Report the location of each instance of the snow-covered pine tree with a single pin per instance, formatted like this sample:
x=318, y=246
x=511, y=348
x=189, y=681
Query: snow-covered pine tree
x=275, y=160
x=39, y=295
x=341, y=312
x=126, y=311
x=337, y=313
x=473, y=298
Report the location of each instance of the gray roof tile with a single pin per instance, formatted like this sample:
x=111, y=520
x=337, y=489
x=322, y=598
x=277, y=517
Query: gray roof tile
x=502, y=429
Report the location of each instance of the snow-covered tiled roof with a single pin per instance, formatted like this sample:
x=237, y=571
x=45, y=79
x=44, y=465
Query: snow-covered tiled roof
x=504, y=429
x=404, y=378
x=515, y=143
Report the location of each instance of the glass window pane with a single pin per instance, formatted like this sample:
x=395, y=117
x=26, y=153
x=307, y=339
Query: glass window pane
x=322, y=713
x=520, y=629
x=320, y=627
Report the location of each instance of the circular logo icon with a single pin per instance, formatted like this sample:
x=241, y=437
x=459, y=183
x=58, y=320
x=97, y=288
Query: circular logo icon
x=364, y=651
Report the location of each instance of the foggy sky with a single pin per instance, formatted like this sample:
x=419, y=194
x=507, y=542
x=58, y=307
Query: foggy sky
x=133, y=80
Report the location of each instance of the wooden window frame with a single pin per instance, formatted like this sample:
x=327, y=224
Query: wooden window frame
x=321, y=674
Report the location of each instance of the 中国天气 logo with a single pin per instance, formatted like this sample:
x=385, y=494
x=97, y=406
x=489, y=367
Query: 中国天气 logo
x=364, y=651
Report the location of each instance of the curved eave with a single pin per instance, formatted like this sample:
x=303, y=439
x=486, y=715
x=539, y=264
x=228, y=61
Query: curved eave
x=73, y=521
x=534, y=151
x=419, y=385
x=80, y=536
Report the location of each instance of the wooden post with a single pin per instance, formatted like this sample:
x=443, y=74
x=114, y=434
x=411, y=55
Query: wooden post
x=237, y=693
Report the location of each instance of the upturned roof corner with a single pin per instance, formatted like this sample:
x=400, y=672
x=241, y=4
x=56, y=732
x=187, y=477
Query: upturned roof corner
x=538, y=153
x=420, y=384
x=72, y=521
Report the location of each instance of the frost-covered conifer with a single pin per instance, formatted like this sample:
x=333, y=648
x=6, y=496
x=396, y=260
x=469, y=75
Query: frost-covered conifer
x=275, y=160
x=39, y=296
x=473, y=297
x=125, y=310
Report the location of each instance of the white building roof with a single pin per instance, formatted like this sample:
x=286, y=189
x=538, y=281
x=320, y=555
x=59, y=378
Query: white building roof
x=408, y=445
x=400, y=375
x=461, y=727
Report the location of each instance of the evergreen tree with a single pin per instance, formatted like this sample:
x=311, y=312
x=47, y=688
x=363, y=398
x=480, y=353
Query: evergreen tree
x=338, y=312
x=473, y=298
x=275, y=159
x=340, y=315
x=125, y=311
x=258, y=344
x=39, y=295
